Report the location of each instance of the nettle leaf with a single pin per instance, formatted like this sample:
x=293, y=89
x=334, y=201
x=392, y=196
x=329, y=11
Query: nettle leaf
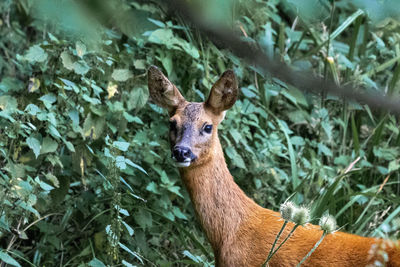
x=91, y=100
x=48, y=145
x=36, y=54
x=139, y=64
x=120, y=162
x=324, y=150
x=67, y=61
x=123, y=146
x=53, y=179
x=131, y=252
x=8, y=259
x=130, y=229
x=69, y=145
x=235, y=157
x=143, y=218
x=121, y=75
x=131, y=118
x=43, y=185
x=73, y=114
x=8, y=104
x=34, y=144
x=138, y=98
x=9, y=84
x=96, y=263
x=48, y=99
x=81, y=67
x=134, y=165
x=178, y=213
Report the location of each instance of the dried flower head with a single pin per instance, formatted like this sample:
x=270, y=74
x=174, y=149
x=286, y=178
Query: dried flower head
x=301, y=215
x=286, y=210
x=328, y=223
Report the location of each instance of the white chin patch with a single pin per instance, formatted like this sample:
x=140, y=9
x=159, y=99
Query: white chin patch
x=182, y=164
x=186, y=163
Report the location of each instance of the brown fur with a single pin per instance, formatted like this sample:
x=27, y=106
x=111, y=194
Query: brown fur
x=241, y=232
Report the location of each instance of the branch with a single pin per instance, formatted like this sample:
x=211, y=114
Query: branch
x=304, y=81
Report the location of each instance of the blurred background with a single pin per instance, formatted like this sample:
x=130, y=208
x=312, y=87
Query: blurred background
x=86, y=174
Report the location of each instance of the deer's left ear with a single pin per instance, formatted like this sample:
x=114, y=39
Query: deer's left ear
x=223, y=93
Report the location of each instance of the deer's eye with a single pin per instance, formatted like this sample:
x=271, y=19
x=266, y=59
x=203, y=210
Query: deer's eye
x=172, y=126
x=208, y=128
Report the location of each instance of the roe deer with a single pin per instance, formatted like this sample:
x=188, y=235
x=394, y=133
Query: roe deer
x=241, y=232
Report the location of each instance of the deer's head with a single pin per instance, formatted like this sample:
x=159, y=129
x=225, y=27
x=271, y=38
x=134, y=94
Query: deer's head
x=193, y=126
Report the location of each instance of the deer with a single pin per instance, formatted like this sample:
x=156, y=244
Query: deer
x=241, y=232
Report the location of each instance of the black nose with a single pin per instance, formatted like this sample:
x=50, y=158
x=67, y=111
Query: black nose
x=181, y=153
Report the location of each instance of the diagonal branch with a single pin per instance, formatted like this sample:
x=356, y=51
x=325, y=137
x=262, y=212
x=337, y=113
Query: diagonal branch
x=304, y=81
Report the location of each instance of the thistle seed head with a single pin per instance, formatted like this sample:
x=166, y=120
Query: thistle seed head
x=286, y=210
x=328, y=223
x=301, y=215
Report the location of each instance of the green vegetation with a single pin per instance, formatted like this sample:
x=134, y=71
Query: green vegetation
x=86, y=175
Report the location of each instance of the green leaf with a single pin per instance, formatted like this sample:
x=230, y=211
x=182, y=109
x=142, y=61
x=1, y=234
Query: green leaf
x=69, y=145
x=8, y=104
x=8, y=259
x=36, y=54
x=48, y=99
x=143, y=218
x=43, y=185
x=123, y=146
x=81, y=67
x=32, y=109
x=53, y=179
x=48, y=145
x=139, y=64
x=138, y=98
x=34, y=144
x=67, y=60
x=131, y=118
x=235, y=157
x=134, y=165
x=196, y=259
x=96, y=263
x=324, y=150
x=178, y=213
x=120, y=162
x=121, y=75
x=127, y=264
x=130, y=229
x=131, y=252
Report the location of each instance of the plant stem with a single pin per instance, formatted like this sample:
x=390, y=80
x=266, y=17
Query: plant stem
x=283, y=242
x=276, y=240
x=313, y=249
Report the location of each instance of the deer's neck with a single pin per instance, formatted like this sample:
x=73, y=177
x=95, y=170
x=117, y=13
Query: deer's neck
x=218, y=201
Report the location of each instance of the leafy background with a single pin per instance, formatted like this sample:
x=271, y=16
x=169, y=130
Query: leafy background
x=86, y=174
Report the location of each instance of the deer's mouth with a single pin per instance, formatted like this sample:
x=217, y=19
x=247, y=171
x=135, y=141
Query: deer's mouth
x=185, y=163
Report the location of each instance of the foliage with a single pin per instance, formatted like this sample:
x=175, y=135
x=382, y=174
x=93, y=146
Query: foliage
x=86, y=174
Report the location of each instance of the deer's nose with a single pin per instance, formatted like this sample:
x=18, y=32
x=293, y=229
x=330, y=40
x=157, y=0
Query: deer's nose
x=182, y=153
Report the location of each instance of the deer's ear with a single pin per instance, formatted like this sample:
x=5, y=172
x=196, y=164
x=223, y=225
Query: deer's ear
x=224, y=93
x=162, y=91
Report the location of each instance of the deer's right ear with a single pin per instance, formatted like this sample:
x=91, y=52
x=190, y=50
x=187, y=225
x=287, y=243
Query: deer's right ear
x=162, y=91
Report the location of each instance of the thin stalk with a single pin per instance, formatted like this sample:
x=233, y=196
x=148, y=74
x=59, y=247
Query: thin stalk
x=327, y=53
x=283, y=242
x=276, y=240
x=313, y=249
